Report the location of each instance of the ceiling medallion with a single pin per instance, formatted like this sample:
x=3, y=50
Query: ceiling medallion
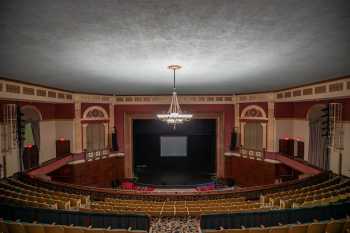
x=174, y=115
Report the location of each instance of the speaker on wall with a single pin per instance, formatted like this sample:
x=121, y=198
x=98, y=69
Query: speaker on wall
x=233, y=140
x=114, y=139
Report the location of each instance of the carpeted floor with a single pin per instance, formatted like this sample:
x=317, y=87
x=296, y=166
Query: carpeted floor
x=175, y=225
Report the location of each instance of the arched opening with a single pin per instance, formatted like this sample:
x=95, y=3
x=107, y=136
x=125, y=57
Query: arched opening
x=95, y=129
x=31, y=144
x=95, y=137
x=253, y=136
x=318, y=151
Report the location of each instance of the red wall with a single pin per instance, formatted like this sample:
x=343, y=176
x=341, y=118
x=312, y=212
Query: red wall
x=49, y=111
x=227, y=109
x=300, y=109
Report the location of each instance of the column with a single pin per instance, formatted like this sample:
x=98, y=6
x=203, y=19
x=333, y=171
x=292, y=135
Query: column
x=84, y=126
x=111, y=123
x=77, y=142
x=237, y=124
x=105, y=125
x=271, y=127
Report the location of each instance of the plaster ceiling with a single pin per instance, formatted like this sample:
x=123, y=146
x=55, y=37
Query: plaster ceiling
x=124, y=46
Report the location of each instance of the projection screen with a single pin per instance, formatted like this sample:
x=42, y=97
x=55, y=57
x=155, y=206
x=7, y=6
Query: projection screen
x=173, y=146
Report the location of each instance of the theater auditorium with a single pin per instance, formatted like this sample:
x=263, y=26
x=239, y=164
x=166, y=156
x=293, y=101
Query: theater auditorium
x=162, y=116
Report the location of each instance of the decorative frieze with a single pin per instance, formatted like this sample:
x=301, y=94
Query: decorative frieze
x=259, y=97
x=27, y=92
x=166, y=99
x=330, y=89
x=335, y=87
x=41, y=92
x=51, y=94
x=16, y=89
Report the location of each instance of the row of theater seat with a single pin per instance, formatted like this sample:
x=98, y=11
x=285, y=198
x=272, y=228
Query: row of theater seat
x=329, y=190
x=14, y=191
x=330, y=226
x=174, y=208
x=22, y=227
x=266, y=198
x=332, y=190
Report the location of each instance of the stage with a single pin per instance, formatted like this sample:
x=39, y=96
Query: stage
x=174, y=179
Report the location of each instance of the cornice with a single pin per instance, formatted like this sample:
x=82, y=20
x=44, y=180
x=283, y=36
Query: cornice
x=15, y=90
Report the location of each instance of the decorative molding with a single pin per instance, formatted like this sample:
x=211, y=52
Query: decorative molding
x=127, y=100
x=19, y=91
x=31, y=92
x=326, y=90
x=95, y=113
x=94, y=98
x=260, y=97
x=253, y=112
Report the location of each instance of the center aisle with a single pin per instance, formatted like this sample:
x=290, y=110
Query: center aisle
x=175, y=225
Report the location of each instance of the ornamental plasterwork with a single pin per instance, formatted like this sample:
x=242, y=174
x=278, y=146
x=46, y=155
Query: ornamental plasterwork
x=253, y=112
x=95, y=113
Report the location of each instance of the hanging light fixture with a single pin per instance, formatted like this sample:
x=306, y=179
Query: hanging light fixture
x=174, y=115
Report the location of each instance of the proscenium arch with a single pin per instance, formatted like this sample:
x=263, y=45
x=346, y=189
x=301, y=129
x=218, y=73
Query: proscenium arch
x=128, y=140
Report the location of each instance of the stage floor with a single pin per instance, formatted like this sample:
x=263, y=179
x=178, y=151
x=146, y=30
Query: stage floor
x=174, y=178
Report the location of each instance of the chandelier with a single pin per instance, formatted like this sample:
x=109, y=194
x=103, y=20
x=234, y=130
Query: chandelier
x=174, y=115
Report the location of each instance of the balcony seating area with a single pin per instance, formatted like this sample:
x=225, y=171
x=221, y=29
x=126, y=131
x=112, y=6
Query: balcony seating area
x=332, y=190
x=174, y=208
x=328, y=226
x=24, y=227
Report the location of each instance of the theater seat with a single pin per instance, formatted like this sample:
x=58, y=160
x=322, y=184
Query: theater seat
x=34, y=228
x=54, y=229
x=3, y=227
x=298, y=228
x=15, y=227
x=335, y=226
x=259, y=230
x=279, y=229
x=316, y=227
x=235, y=231
x=116, y=231
x=74, y=229
x=94, y=230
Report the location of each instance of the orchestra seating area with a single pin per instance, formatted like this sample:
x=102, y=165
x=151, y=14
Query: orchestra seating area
x=24, y=227
x=175, y=208
x=325, y=191
x=329, y=226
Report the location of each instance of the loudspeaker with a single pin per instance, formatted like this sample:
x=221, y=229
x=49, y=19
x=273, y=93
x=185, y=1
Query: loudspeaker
x=230, y=182
x=114, y=141
x=233, y=140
